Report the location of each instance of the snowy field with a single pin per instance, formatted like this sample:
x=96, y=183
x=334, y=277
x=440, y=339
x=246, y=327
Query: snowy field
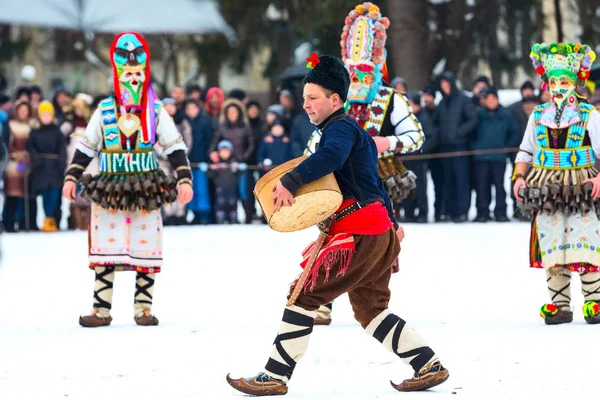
x=466, y=288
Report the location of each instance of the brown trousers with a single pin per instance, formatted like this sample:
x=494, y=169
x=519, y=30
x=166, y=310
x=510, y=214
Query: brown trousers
x=366, y=281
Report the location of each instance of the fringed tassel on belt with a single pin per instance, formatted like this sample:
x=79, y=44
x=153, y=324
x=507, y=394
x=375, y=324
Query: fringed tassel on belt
x=337, y=250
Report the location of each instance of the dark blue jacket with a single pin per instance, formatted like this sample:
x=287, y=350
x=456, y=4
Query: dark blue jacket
x=279, y=150
x=350, y=153
x=202, y=136
x=300, y=133
x=456, y=116
x=497, y=129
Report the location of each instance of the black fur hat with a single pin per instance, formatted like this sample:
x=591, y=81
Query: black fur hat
x=331, y=74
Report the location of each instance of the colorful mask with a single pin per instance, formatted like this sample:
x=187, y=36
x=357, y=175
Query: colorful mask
x=562, y=88
x=130, y=59
x=363, y=51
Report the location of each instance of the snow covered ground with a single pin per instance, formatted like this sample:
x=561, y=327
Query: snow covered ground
x=466, y=288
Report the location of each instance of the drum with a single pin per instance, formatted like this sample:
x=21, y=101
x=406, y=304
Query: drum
x=315, y=201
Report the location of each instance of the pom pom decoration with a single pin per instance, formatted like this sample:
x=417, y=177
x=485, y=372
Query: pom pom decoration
x=378, y=33
x=385, y=21
x=548, y=310
x=591, y=309
x=540, y=70
x=580, y=58
x=583, y=74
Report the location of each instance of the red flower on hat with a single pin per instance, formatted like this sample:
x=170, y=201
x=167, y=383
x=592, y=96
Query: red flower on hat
x=312, y=61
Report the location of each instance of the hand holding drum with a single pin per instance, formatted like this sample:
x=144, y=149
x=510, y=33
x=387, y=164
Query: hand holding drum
x=281, y=197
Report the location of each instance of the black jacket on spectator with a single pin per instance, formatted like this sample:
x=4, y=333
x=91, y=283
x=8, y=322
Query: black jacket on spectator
x=456, y=117
x=276, y=149
x=430, y=131
x=224, y=176
x=302, y=128
x=202, y=136
x=48, y=152
x=497, y=129
x=256, y=126
x=520, y=116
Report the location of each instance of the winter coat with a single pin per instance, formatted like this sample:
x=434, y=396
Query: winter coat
x=19, y=161
x=520, y=116
x=302, y=128
x=224, y=176
x=239, y=134
x=46, y=147
x=497, y=129
x=276, y=149
x=256, y=126
x=202, y=136
x=430, y=131
x=456, y=117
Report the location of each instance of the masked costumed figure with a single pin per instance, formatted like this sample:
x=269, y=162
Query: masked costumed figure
x=384, y=113
x=557, y=184
x=125, y=232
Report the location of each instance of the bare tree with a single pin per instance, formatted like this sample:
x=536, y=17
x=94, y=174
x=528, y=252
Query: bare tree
x=408, y=40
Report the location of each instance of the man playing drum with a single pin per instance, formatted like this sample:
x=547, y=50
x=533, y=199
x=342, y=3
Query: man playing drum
x=363, y=242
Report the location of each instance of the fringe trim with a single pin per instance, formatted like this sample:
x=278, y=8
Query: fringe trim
x=342, y=257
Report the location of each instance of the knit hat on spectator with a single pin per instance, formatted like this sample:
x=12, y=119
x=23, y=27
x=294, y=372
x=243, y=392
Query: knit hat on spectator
x=329, y=73
x=415, y=96
x=277, y=122
x=276, y=109
x=527, y=85
x=251, y=103
x=482, y=79
x=489, y=90
x=530, y=99
x=35, y=89
x=224, y=144
x=429, y=90
x=237, y=94
x=169, y=100
x=288, y=94
x=45, y=107
x=398, y=80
